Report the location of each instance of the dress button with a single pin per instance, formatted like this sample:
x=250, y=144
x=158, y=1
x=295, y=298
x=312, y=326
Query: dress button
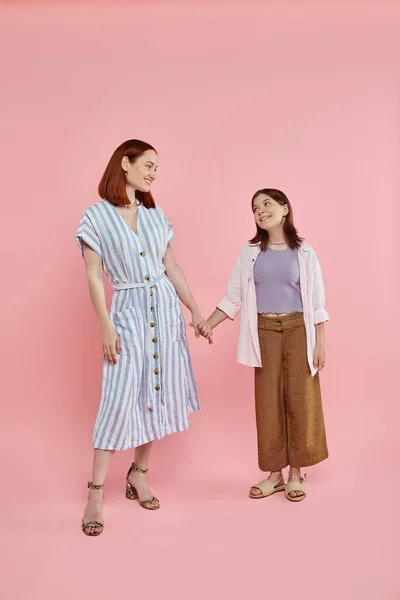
x=156, y=371
x=147, y=277
x=152, y=324
x=155, y=340
x=155, y=356
x=151, y=292
x=143, y=254
x=152, y=309
x=158, y=388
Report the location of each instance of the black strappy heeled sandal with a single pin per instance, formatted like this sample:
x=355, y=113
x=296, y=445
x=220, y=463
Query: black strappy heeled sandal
x=96, y=524
x=132, y=493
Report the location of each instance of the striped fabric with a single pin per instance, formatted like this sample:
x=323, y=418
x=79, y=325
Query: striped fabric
x=150, y=392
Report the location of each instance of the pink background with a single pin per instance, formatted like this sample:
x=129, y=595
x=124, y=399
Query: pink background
x=302, y=96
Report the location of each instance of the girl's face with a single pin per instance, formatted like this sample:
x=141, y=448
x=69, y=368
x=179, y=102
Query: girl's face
x=141, y=174
x=268, y=213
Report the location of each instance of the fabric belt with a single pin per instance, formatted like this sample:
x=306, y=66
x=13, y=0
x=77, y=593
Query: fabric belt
x=133, y=285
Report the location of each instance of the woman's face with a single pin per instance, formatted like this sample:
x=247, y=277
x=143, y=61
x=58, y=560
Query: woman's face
x=268, y=213
x=141, y=173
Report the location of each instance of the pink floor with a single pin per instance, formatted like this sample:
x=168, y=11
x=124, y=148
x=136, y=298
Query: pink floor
x=209, y=539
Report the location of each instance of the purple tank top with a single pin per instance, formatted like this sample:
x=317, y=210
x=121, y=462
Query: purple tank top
x=277, y=279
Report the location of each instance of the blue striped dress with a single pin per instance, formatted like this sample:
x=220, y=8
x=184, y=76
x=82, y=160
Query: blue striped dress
x=150, y=392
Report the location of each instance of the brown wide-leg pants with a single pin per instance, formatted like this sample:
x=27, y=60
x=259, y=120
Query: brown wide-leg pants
x=290, y=421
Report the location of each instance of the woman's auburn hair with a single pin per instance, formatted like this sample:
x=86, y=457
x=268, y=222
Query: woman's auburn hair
x=112, y=186
x=292, y=238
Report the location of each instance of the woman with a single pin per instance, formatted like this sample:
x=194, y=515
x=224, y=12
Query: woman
x=148, y=387
x=277, y=283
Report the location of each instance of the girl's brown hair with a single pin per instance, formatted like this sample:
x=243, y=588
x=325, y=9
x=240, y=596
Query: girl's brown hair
x=290, y=232
x=112, y=186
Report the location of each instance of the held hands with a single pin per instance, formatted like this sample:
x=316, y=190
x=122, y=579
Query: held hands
x=201, y=327
x=111, y=344
x=206, y=331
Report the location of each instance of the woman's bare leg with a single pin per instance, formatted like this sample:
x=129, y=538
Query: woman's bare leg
x=94, y=507
x=139, y=480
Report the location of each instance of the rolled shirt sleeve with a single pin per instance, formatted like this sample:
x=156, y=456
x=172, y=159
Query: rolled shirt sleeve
x=87, y=233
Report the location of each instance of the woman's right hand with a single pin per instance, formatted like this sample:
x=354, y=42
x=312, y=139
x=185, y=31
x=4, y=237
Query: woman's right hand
x=111, y=344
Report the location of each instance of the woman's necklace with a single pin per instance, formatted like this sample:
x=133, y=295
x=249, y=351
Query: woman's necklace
x=277, y=243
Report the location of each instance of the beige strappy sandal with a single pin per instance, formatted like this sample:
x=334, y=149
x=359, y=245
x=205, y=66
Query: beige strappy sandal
x=132, y=493
x=295, y=486
x=96, y=524
x=267, y=488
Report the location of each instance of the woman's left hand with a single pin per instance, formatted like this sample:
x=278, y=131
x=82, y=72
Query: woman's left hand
x=197, y=320
x=206, y=331
x=319, y=357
